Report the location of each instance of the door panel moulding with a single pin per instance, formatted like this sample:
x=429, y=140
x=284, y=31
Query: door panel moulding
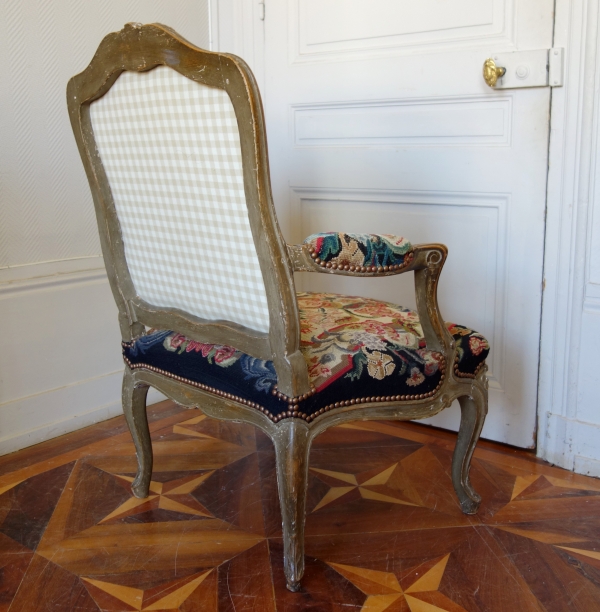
x=443, y=121
x=492, y=208
x=467, y=25
x=507, y=41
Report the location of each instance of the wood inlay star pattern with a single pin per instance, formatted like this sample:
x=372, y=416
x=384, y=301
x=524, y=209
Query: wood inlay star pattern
x=368, y=486
x=174, y=496
x=384, y=590
x=384, y=532
x=170, y=598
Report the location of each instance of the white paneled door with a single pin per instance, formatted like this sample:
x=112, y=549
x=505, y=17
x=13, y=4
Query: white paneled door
x=379, y=121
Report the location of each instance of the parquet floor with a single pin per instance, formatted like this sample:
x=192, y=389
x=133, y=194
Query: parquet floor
x=384, y=530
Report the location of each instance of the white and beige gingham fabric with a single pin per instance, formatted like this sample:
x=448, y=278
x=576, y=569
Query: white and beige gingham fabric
x=171, y=150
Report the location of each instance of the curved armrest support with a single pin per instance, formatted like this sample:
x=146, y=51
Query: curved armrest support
x=428, y=264
x=425, y=260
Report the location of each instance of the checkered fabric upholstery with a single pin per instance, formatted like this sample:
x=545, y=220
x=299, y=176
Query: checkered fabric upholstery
x=171, y=150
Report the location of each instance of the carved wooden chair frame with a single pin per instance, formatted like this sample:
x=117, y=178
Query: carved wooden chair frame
x=141, y=48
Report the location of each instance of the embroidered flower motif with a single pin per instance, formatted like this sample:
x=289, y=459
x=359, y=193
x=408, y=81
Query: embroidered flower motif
x=206, y=349
x=477, y=344
x=415, y=378
x=172, y=343
x=458, y=330
x=379, y=365
x=223, y=355
x=199, y=347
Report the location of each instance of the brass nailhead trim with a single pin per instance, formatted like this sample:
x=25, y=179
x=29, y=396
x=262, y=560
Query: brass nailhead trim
x=408, y=258
x=460, y=374
x=377, y=399
x=292, y=408
x=293, y=400
x=213, y=390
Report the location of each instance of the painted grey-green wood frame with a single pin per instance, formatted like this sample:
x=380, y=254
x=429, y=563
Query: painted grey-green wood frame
x=143, y=47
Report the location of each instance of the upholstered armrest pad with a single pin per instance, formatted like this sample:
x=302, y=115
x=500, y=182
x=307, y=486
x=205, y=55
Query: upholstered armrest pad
x=359, y=252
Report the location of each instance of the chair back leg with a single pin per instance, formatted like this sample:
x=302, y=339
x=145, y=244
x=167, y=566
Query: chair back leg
x=292, y=446
x=473, y=413
x=134, y=407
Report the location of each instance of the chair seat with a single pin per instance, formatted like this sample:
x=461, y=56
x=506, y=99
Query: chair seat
x=358, y=350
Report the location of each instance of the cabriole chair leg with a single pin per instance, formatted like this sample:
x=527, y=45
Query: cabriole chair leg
x=473, y=412
x=134, y=407
x=292, y=446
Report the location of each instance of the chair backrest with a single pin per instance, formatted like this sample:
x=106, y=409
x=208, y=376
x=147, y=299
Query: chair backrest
x=171, y=150
x=173, y=142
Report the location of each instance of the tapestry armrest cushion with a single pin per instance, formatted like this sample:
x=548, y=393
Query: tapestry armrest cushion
x=359, y=252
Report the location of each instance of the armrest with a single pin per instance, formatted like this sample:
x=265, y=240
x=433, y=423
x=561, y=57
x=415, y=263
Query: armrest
x=359, y=253
x=378, y=255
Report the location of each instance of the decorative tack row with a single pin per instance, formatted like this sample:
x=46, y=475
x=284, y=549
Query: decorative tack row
x=460, y=374
x=187, y=381
x=292, y=411
x=371, y=400
x=408, y=258
x=293, y=400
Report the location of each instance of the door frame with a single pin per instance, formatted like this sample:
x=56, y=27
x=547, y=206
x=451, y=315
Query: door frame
x=235, y=27
x=564, y=436
x=238, y=29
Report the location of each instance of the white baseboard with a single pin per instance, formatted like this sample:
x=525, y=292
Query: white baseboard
x=586, y=466
x=61, y=365
x=154, y=397
x=572, y=444
x=34, y=419
x=73, y=407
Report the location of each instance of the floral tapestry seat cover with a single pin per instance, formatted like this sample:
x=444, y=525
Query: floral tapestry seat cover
x=357, y=350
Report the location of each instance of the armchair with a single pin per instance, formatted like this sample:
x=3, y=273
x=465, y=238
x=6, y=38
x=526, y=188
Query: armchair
x=173, y=142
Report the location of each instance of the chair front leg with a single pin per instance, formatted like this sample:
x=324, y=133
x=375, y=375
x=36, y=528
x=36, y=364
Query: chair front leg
x=134, y=407
x=473, y=413
x=292, y=446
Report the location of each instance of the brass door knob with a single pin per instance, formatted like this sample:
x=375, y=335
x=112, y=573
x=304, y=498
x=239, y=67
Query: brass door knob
x=491, y=72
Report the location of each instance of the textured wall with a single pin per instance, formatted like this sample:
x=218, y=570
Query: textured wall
x=46, y=210
x=61, y=365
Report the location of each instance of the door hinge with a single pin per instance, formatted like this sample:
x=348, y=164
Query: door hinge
x=556, y=67
x=538, y=68
x=261, y=11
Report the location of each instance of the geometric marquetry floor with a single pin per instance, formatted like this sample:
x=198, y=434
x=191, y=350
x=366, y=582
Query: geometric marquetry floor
x=384, y=530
